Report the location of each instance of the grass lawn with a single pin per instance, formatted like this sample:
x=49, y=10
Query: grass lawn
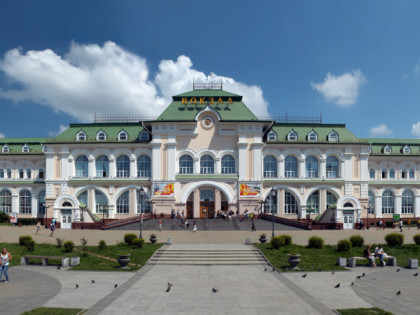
x=326, y=258
x=53, y=311
x=138, y=255
x=364, y=311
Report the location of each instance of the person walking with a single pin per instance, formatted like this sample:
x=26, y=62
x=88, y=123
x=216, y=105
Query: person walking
x=380, y=224
x=401, y=225
x=408, y=223
x=194, y=227
x=4, y=261
x=52, y=229
x=160, y=225
x=38, y=227
x=253, y=226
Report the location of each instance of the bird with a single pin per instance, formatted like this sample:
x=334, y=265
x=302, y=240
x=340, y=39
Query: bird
x=273, y=270
x=77, y=285
x=337, y=286
x=58, y=267
x=169, y=284
x=168, y=289
x=214, y=290
x=351, y=284
x=115, y=286
x=93, y=281
x=358, y=277
x=416, y=274
x=399, y=292
x=332, y=272
x=363, y=274
x=265, y=269
x=304, y=276
x=398, y=270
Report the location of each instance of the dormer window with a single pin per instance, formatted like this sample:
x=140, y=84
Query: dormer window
x=387, y=150
x=292, y=136
x=369, y=149
x=312, y=136
x=406, y=150
x=122, y=136
x=44, y=148
x=5, y=149
x=25, y=149
x=272, y=136
x=333, y=136
x=144, y=136
x=101, y=136
x=81, y=136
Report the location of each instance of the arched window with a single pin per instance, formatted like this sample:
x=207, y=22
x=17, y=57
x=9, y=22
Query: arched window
x=387, y=202
x=5, y=149
x=411, y=173
x=228, y=164
x=9, y=173
x=144, y=136
x=372, y=173
x=292, y=136
x=41, y=173
x=311, y=166
x=82, y=166
x=406, y=150
x=290, y=204
x=81, y=136
x=384, y=173
x=122, y=136
x=186, y=165
x=270, y=204
x=28, y=173
x=391, y=173
x=331, y=200
x=21, y=173
x=123, y=166
x=332, y=167
x=101, y=202
x=407, y=202
x=101, y=136
x=387, y=150
x=123, y=203
x=25, y=201
x=272, y=136
x=5, y=201
x=41, y=202
x=83, y=198
x=371, y=203
x=270, y=166
x=312, y=204
x=207, y=165
x=2, y=173
x=144, y=167
x=333, y=136
x=290, y=167
x=102, y=166
x=404, y=173
x=44, y=149
x=25, y=149
x=312, y=136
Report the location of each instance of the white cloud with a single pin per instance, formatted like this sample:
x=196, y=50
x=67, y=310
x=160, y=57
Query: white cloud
x=342, y=90
x=107, y=80
x=2, y=135
x=415, y=129
x=380, y=131
x=61, y=128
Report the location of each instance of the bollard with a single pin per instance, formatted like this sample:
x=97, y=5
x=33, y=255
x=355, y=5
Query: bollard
x=169, y=241
x=248, y=241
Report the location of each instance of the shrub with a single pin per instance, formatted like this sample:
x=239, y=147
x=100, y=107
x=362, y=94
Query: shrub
x=28, y=221
x=68, y=246
x=357, y=240
x=416, y=239
x=394, y=239
x=30, y=245
x=138, y=242
x=84, y=242
x=23, y=239
x=389, y=224
x=277, y=242
x=4, y=217
x=129, y=237
x=287, y=239
x=59, y=242
x=343, y=246
x=316, y=242
x=102, y=245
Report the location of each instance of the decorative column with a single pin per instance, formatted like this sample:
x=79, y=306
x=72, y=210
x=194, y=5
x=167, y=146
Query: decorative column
x=302, y=212
x=156, y=158
x=257, y=157
x=133, y=167
x=217, y=201
x=196, y=203
x=280, y=167
x=15, y=203
x=34, y=206
x=417, y=206
x=302, y=166
x=112, y=166
x=91, y=167
x=397, y=204
x=378, y=206
x=196, y=166
x=171, y=149
x=242, y=145
x=323, y=168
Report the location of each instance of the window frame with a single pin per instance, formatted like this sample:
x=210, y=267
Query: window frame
x=292, y=136
x=81, y=136
x=312, y=136
x=101, y=136
x=122, y=132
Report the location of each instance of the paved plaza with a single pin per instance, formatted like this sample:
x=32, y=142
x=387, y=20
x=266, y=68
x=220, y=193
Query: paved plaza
x=247, y=289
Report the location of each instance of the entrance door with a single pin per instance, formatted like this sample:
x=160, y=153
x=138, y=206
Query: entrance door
x=348, y=221
x=66, y=220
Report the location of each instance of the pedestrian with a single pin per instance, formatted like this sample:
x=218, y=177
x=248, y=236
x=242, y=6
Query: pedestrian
x=253, y=226
x=177, y=213
x=362, y=224
x=52, y=229
x=401, y=224
x=194, y=226
x=408, y=223
x=173, y=214
x=160, y=225
x=183, y=214
x=38, y=227
x=4, y=262
x=380, y=224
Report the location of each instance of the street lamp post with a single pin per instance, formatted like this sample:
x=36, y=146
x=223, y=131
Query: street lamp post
x=141, y=191
x=273, y=194
x=46, y=214
x=367, y=217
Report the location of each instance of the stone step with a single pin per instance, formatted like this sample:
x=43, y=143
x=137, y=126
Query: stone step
x=206, y=258
x=188, y=262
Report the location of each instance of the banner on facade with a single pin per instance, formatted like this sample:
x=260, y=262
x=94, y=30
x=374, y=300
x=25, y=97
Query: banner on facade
x=163, y=189
x=13, y=217
x=249, y=190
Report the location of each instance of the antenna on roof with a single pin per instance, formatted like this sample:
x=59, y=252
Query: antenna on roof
x=207, y=85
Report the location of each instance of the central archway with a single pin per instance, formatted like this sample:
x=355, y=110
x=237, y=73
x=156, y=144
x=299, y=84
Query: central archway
x=206, y=202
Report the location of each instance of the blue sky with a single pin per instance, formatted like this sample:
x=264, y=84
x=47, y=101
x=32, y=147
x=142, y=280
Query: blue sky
x=354, y=62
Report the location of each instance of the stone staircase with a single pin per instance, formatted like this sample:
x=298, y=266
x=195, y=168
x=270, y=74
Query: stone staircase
x=192, y=256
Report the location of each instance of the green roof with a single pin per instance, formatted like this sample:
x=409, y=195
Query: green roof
x=179, y=110
x=111, y=130
x=396, y=145
x=322, y=130
x=15, y=145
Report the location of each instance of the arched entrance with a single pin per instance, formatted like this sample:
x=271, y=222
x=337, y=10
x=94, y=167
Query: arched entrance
x=205, y=202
